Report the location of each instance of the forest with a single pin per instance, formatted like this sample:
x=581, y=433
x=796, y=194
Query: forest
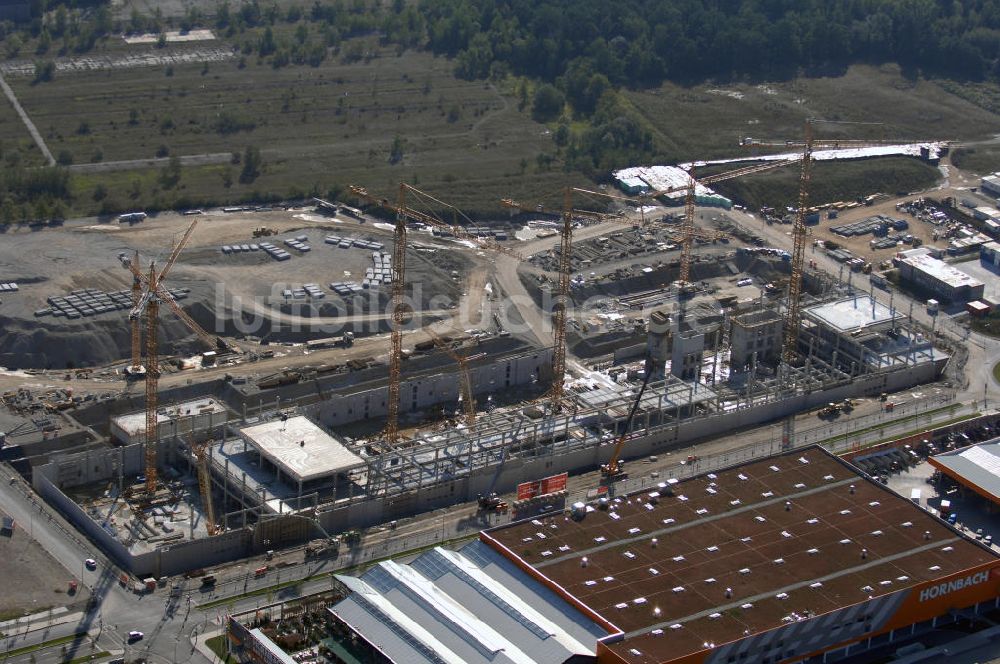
x=644, y=42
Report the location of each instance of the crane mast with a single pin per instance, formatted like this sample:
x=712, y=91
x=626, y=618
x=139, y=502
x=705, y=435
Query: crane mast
x=200, y=451
x=396, y=334
x=793, y=311
x=152, y=381
x=468, y=399
x=561, y=302
x=687, y=232
x=136, y=324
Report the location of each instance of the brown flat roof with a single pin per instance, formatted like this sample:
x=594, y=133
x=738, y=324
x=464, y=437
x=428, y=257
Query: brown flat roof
x=731, y=529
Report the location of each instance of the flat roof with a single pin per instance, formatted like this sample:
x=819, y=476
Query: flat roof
x=941, y=271
x=659, y=571
x=302, y=450
x=976, y=466
x=135, y=423
x=852, y=313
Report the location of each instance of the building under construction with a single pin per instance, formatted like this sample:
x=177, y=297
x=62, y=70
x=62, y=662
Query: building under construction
x=280, y=477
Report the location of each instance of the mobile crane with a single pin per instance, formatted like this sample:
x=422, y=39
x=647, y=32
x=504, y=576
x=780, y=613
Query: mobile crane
x=614, y=469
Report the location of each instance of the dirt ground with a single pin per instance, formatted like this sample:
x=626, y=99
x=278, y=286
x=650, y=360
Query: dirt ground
x=33, y=580
x=85, y=255
x=859, y=245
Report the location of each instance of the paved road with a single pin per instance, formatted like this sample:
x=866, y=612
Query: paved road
x=128, y=164
x=35, y=135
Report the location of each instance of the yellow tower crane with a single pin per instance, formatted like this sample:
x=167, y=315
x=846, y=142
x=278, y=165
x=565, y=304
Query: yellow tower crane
x=148, y=305
x=200, y=452
x=404, y=213
x=793, y=311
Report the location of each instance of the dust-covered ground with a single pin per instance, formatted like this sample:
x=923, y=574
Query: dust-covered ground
x=247, y=286
x=33, y=580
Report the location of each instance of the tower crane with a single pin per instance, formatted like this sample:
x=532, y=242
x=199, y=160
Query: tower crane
x=793, y=312
x=404, y=213
x=559, y=307
x=213, y=342
x=688, y=231
x=468, y=400
x=148, y=304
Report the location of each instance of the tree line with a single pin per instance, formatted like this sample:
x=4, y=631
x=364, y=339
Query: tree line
x=645, y=42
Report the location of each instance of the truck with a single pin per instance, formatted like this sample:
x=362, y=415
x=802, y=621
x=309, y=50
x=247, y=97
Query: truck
x=131, y=217
x=879, y=281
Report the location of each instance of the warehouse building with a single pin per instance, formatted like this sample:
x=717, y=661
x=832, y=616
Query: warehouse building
x=941, y=278
x=794, y=558
x=976, y=468
x=472, y=606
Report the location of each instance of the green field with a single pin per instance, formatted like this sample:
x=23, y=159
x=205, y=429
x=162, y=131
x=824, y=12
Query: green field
x=833, y=181
x=708, y=121
x=402, y=116
x=981, y=160
x=318, y=128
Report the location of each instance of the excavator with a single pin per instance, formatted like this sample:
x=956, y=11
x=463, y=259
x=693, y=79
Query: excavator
x=614, y=469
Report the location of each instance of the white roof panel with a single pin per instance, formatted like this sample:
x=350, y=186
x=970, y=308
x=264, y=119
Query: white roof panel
x=300, y=448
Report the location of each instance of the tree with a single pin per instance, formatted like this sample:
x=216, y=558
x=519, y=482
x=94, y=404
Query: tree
x=396, y=151
x=266, y=46
x=44, y=71
x=251, y=165
x=171, y=173
x=547, y=104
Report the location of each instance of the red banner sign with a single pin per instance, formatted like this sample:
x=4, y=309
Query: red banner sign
x=554, y=484
x=543, y=487
x=526, y=490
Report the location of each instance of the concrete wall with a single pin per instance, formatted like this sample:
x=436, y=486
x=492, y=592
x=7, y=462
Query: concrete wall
x=75, y=515
x=427, y=391
x=182, y=425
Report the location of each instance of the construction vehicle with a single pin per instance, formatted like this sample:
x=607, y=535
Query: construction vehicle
x=847, y=405
x=321, y=547
x=614, y=469
x=264, y=231
x=829, y=410
x=490, y=501
x=351, y=537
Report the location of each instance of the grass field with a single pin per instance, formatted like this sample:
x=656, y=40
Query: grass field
x=317, y=128
x=981, y=160
x=833, y=181
x=323, y=128
x=707, y=122
x=217, y=644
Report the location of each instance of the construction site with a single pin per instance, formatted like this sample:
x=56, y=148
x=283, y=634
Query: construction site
x=388, y=362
